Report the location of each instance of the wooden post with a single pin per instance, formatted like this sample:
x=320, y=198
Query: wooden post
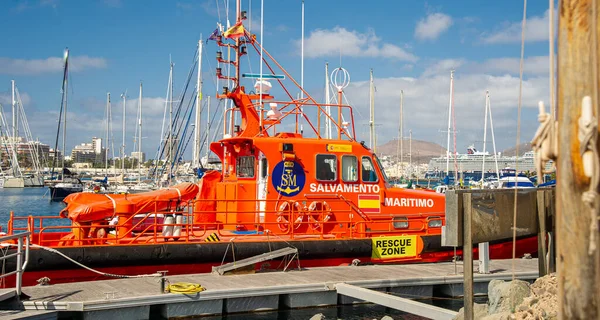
x=550, y=201
x=467, y=258
x=541, y=207
x=577, y=270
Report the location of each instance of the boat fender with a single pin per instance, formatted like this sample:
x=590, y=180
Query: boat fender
x=177, y=228
x=285, y=212
x=316, y=208
x=167, y=230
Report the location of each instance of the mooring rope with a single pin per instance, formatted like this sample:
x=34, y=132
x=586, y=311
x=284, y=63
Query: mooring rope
x=112, y=275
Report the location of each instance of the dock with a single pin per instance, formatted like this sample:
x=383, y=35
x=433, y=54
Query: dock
x=138, y=298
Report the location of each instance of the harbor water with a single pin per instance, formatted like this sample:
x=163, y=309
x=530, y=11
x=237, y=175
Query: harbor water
x=29, y=201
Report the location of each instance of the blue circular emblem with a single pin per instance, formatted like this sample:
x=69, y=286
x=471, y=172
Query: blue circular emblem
x=288, y=178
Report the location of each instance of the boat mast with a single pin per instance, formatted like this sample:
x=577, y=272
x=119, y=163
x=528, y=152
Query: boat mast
x=15, y=121
x=487, y=100
x=372, y=114
x=107, y=134
x=401, y=136
x=170, y=158
x=489, y=106
x=410, y=152
x=207, y=127
x=66, y=93
x=197, y=138
x=302, y=56
x=124, y=96
x=140, y=158
x=449, y=124
x=327, y=101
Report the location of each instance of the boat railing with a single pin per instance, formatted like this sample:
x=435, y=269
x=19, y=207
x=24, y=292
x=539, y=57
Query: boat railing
x=323, y=217
x=21, y=255
x=296, y=108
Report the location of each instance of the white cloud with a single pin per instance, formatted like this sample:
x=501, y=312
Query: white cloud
x=322, y=42
x=536, y=29
x=87, y=120
x=443, y=66
x=6, y=100
x=532, y=66
x=12, y=66
x=432, y=26
x=426, y=100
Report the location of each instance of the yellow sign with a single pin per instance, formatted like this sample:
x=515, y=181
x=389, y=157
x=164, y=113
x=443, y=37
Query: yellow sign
x=339, y=147
x=394, y=247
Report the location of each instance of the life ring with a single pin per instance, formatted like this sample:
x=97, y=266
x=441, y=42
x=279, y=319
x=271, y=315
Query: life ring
x=286, y=211
x=319, y=213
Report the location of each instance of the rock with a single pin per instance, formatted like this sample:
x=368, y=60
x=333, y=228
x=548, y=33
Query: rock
x=387, y=318
x=318, y=316
x=479, y=311
x=506, y=296
x=497, y=316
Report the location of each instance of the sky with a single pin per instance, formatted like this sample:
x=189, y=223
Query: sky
x=410, y=45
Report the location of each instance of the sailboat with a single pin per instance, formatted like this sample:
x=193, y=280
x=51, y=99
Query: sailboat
x=69, y=184
x=14, y=145
x=140, y=186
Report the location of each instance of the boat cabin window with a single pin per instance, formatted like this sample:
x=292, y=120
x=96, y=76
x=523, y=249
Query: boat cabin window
x=265, y=169
x=326, y=167
x=368, y=170
x=349, y=168
x=245, y=167
x=383, y=174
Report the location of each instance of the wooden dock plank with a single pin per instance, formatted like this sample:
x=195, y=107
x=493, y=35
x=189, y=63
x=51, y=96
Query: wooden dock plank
x=141, y=287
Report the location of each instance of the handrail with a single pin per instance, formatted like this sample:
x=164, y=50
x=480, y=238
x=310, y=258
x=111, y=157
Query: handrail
x=20, y=267
x=145, y=227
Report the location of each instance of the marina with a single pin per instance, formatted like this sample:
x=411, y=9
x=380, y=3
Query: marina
x=251, y=191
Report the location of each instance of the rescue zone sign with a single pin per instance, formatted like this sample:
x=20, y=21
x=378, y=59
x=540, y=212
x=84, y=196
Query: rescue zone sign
x=394, y=247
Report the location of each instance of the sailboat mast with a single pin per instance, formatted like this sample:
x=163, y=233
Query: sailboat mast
x=489, y=106
x=207, y=126
x=197, y=142
x=302, y=56
x=449, y=124
x=487, y=100
x=401, y=135
x=124, y=96
x=140, y=158
x=410, y=151
x=170, y=124
x=15, y=122
x=66, y=93
x=372, y=113
x=107, y=133
x=327, y=101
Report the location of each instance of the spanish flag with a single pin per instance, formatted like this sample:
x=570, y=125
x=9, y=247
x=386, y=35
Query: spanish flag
x=369, y=203
x=235, y=32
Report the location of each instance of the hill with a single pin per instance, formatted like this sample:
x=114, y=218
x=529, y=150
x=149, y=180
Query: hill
x=523, y=147
x=422, y=150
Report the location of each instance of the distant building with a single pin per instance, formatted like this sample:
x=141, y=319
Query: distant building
x=97, y=145
x=140, y=156
x=25, y=151
x=89, y=152
x=51, y=155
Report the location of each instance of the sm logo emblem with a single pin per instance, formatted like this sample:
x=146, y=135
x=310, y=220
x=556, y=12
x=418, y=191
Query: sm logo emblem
x=288, y=178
